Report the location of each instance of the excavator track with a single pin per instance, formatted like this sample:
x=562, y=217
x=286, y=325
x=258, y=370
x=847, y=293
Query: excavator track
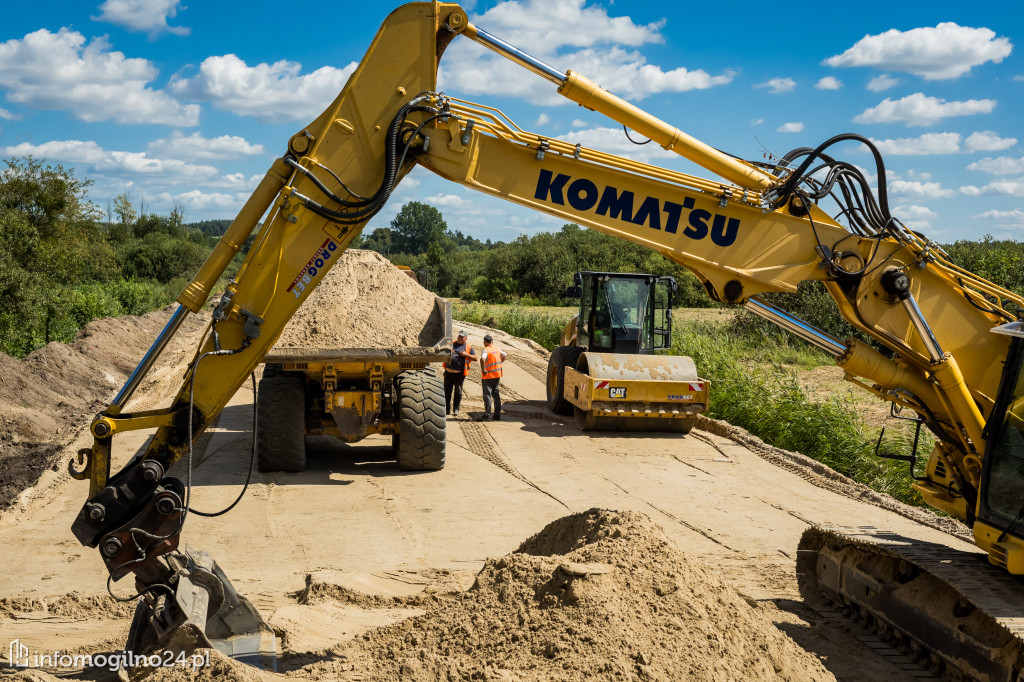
x=947, y=608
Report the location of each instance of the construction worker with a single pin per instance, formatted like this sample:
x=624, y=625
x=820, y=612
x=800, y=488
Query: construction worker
x=490, y=374
x=456, y=367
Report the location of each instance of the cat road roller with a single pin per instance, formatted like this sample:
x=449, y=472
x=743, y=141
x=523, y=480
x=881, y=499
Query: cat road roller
x=605, y=370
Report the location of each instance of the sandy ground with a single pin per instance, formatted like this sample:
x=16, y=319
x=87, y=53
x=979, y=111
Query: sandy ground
x=356, y=524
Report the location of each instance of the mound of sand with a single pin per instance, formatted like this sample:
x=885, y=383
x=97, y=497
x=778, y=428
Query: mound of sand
x=597, y=595
x=364, y=302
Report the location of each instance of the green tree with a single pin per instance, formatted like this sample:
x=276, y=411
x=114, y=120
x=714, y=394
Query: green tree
x=416, y=227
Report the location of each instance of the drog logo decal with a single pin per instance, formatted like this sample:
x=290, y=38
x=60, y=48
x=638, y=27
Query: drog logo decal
x=313, y=267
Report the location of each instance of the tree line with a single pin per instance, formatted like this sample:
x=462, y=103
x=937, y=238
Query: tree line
x=64, y=262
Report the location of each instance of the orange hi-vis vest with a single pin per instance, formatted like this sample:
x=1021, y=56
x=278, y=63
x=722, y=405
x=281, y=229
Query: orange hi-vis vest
x=492, y=363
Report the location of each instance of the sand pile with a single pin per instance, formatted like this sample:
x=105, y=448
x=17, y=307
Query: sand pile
x=48, y=397
x=364, y=302
x=597, y=595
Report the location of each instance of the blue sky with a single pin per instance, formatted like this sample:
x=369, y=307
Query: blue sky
x=188, y=104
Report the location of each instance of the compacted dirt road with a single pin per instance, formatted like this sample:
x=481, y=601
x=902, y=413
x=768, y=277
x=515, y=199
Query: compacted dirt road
x=352, y=544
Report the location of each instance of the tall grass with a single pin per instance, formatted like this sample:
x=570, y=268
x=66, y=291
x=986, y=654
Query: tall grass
x=765, y=398
x=527, y=323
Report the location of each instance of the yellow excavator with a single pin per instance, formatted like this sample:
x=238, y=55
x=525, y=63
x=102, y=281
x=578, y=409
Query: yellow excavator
x=948, y=350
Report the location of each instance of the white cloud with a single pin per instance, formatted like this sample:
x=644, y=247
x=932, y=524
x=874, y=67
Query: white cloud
x=543, y=119
x=203, y=203
x=270, y=92
x=613, y=141
x=922, y=190
x=778, y=86
x=61, y=71
x=1013, y=188
x=195, y=147
x=882, y=82
x=921, y=110
x=597, y=45
x=579, y=123
x=829, y=83
x=914, y=212
x=793, y=127
x=131, y=163
x=4, y=114
x=1001, y=165
x=149, y=16
x=540, y=26
x=1012, y=219
x=915, y=217
x=929, y=143
x=756, y=121
x=623, y=72
x=943, y=52
x=988, y=141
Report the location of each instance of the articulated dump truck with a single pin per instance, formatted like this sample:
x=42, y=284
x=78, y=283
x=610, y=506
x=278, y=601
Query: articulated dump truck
x=386, y=385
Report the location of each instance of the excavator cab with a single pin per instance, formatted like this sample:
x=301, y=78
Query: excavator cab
x=623, y=313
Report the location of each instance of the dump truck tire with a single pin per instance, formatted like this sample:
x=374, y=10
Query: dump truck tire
x=421, y=442
x=561, y=357
x=281, y=424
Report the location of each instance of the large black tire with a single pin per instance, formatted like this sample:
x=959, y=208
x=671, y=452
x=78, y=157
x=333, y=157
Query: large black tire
x=281, y=423
x=561, y=357
x=422, y=438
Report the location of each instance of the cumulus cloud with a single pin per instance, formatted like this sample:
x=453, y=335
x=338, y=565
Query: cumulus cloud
x=882, y=82
x=543, y=119
x=92, y=155
x=794, y=127
x=922, y=190
x=148, y=16
x=539, y=26
x=613, y=141
x=6, y=115
x=1012, y=219
x=1001, y=165
x=921, y=110
x=929, y=143
x=940, y=53
x=1012, y=188
x=62, y=71
x=271, y=92
x=988, y=141
x=829, y=83
x=195, y=147
x=599, y=46
x=778, y=86
x=915, y=217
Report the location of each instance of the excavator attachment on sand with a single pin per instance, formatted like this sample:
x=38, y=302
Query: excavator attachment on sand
x=200, y=609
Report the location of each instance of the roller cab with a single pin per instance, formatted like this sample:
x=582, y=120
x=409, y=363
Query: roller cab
x=606, y=373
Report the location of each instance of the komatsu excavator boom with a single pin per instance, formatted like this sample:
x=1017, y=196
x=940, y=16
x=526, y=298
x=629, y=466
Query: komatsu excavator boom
x=758, y=228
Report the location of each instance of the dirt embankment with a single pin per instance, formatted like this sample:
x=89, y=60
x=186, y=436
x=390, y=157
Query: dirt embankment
x=47, y=398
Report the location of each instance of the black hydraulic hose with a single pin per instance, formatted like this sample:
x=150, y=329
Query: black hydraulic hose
x=790, y=185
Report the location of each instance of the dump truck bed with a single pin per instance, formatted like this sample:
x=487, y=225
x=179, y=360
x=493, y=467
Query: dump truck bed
x=436, y=351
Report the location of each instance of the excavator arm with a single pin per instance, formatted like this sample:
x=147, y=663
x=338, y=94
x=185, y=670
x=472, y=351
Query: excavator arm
x=760, y=228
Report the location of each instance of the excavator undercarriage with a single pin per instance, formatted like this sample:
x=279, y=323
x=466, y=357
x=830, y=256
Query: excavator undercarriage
x=942, y=604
